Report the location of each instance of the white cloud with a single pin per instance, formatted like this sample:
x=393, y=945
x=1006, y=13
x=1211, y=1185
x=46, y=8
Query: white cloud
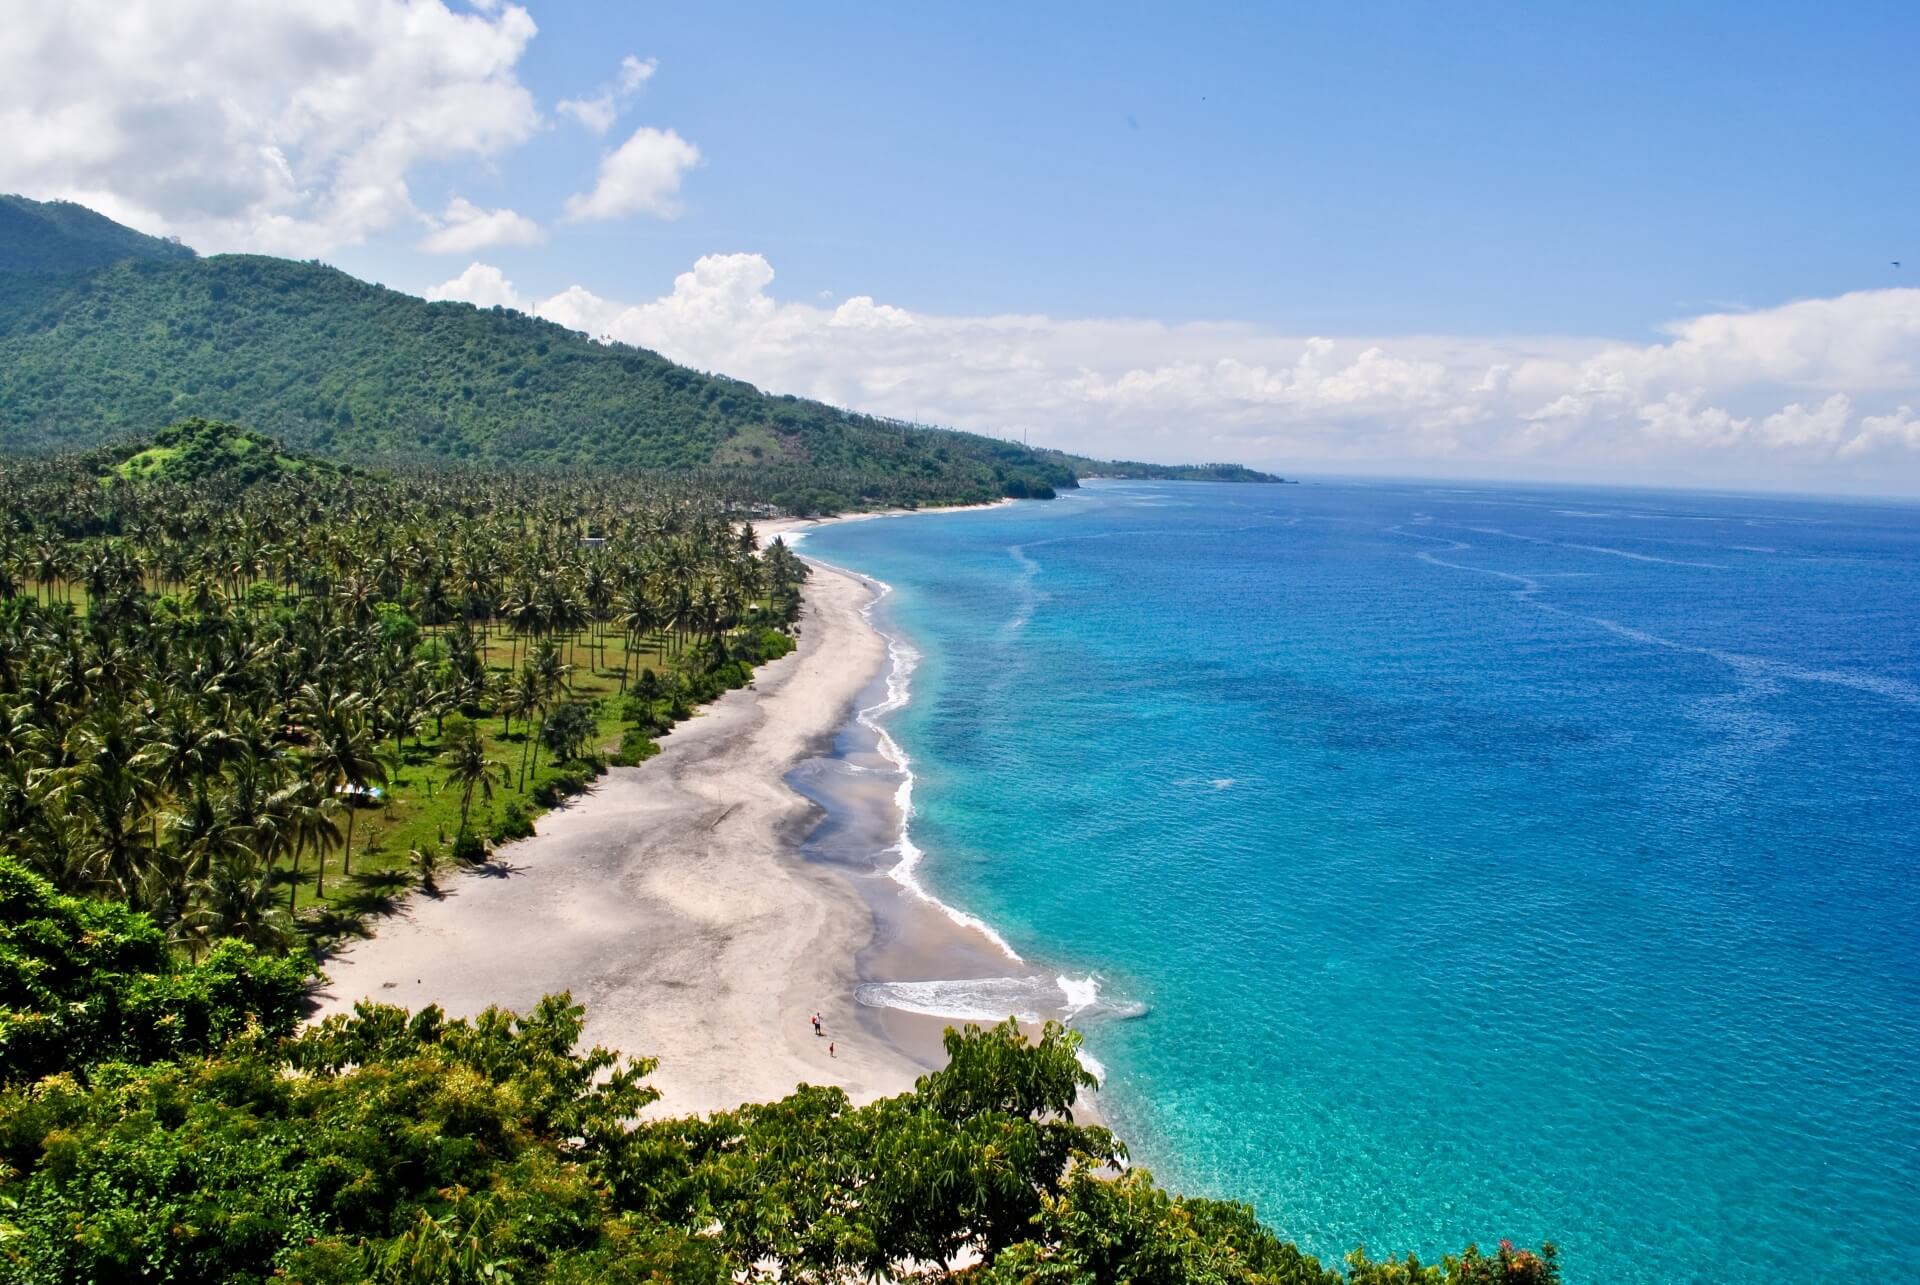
x=1678, y=420
x=641, y=176
x=1900, y=428
x=635, y=72
x=862, y=311
x=1762, y=396
x=465, y=228
x=290, y=127
x=597, y=111
x=482, y=285
x=1799, y=425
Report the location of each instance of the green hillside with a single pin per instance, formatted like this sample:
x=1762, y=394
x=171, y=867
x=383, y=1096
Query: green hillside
x=59, y=236
x=193, y=449
x=333, y=365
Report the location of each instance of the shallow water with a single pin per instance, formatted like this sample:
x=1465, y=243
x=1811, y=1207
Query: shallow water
x=1488, y=862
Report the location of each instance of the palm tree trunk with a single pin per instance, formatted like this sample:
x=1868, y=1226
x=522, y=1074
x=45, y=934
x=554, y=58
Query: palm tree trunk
x=526, y=748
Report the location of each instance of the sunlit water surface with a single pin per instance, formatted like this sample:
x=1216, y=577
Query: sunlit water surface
x=1491, y=862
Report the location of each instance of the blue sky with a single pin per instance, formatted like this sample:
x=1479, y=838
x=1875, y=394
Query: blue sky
x=1377, y=169
x=1632, y=242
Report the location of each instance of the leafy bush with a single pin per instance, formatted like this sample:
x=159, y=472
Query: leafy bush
x=514, y=823
x=85, y=981
x=642, y=708
x=564, y=783
x=470, y=848
x=766, y=644
x=568, y=729
x=635, y=747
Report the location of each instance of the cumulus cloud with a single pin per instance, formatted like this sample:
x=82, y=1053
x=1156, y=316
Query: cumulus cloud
x=597, y=111
x=596, y=114
x=641, y=176
x=1799, y=425
x=482, y=285
x=1794, y=394
x=288, y=128
x=465, y=228
x=1901, y=428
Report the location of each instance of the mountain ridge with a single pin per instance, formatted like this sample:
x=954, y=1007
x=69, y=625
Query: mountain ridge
x=341, y=367
x=64, y=236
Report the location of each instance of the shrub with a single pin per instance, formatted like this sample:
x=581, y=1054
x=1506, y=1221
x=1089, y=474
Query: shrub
x=568, y=729
x=470, y=848
x=636, y=747
x=84, y=981
x=514, y=823
x=563, y=783
x=762, y=645
x=643, y=712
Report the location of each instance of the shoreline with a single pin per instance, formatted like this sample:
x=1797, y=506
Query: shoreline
x=675, y=901
x=932, y=964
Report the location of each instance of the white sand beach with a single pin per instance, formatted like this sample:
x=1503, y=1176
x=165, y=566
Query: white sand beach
x=673, y=902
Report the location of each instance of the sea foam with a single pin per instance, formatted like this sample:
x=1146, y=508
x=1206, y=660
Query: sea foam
x=902, y=659
x=981, y=999
x=1035, y=998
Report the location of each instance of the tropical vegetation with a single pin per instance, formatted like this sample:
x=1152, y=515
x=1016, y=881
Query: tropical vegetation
x=227, y=673
x=1084, y=467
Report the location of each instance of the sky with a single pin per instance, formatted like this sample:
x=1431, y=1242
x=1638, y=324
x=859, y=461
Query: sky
x=1647, y=244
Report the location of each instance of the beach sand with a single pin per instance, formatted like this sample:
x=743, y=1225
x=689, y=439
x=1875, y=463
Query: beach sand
x=674, y=900
x=673, y=903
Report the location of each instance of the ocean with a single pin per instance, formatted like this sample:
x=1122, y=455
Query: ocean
x=1438, y=863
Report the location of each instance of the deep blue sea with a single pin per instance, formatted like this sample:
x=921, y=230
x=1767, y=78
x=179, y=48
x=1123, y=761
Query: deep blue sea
x=1491, y=862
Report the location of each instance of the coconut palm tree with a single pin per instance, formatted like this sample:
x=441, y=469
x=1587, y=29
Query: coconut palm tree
x=342, y=753
x=310, y=818
x=236, y=900
x=640, y=618
x=468, y=766
x=109, y=792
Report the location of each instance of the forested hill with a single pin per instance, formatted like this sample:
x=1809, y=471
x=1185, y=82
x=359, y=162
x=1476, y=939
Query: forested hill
x=334, y=365
x=59, y=236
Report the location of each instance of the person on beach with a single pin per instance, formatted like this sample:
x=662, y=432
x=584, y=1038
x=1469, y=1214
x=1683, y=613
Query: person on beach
x=816, y=1026
x=830, y=1052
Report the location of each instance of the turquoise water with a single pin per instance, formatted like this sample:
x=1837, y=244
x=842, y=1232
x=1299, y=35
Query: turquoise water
x=1491, y=862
